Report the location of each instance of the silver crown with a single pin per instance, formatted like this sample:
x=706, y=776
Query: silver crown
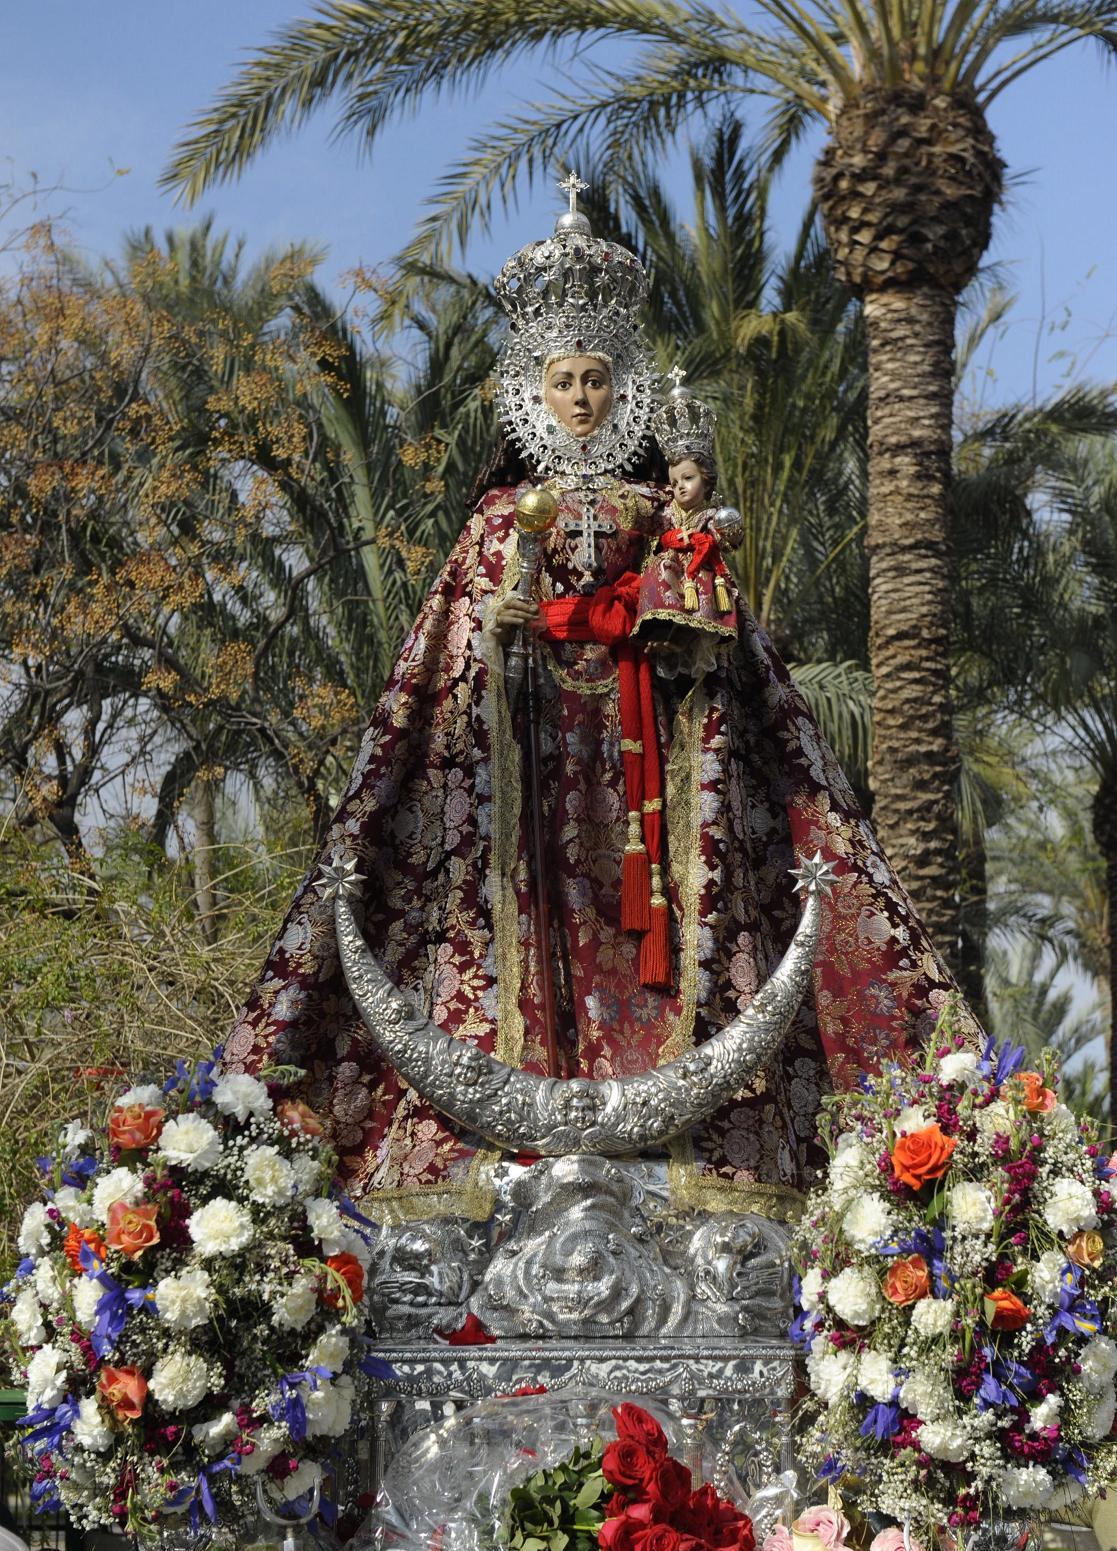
x=574, y=294
x=684, y=426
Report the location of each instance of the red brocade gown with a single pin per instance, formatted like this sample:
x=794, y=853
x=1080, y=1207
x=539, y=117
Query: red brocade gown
x=435, y=814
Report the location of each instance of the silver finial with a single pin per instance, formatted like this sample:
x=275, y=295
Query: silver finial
x=339, y=878
x=814, y=875
x=676, y=375
x=573, y=220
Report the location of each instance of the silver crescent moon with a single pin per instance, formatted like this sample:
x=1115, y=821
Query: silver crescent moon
x=552, y=1116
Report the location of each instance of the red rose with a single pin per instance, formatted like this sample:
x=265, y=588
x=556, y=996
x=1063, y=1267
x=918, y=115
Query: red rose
x=135, y=1127
x=349, y=1268
x=923, y=1155
x=699, y=1514
x=626, y=1463
x=658, y=1537
x=636, y=1424
x=621, y=1532
x=668, y=1484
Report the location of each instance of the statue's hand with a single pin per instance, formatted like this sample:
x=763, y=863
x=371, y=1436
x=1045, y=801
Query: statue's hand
x=506, y=617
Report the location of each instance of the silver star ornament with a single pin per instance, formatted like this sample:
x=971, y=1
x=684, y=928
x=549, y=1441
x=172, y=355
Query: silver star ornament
x=340, y=877
x=814, y=875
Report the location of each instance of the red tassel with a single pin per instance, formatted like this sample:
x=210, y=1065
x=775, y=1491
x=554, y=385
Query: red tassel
x=655, y=950
x=635, y=891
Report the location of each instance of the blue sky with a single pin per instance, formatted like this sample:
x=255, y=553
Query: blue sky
x=90, y=88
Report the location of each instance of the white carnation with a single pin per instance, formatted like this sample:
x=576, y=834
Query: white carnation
x=854, y=1296
x=1098, y=1361
x=212, y=1436
x=308, y=1174
x=270, y=1178
x=86, y=1293
x=1062, y=1122
x=296, y=1306
x=34, y=1230
x=72, y=1138
x=221, y=1227
x=238, y=1094
x=1026, y=1486
x=945, y=1439
x=970, y=1207
x=1045, y=1413
x=810, y=1290
x=1069, y=1206
x=303, y=1480
x=183, y=1300
x=266, y=1444
x=190, y=1141
x=329, y=1351
x=46, y=1378
x=179, y=1380
x=933, y=1317
x=832, y=1374
x=867, y=1220
x=353, y=1243
x=329, y=1408
x=876, y=1375
x=958, y=1064
x=47, y=1285
x=911, y=1119
x=324, y=1221
x=91, y=1430
x=1101, y=1422
x=851, y=1166
x=74, y=1207
x=925, y=1394
x=118, y=1185
x=995, y=1119
x=1045, y=1277
x=27, y=1317
x=149, y=1094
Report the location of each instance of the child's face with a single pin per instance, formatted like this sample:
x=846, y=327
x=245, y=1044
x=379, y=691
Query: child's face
x=688, y=484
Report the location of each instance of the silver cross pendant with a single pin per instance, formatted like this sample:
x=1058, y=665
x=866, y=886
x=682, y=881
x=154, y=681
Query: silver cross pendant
x=590, y=527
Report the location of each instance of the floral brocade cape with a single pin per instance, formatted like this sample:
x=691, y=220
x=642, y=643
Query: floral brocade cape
x=435, y=815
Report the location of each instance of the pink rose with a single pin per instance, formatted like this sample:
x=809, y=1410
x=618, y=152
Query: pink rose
x=830, y=1527
x=893, y=1540
x=778, y=1539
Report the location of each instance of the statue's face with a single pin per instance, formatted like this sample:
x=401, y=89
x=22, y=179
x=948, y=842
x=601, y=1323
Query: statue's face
x=579, y=392
x=688, y=484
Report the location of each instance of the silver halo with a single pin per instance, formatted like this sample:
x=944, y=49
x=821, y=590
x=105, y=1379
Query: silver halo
x=552, y=1116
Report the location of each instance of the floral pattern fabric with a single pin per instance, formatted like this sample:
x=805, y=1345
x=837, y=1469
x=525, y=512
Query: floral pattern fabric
x=435, y=814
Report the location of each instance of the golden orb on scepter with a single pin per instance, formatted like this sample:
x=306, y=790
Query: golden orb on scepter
x=536, y=510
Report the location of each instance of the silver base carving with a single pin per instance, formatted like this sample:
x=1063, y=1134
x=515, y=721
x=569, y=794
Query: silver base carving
x=585, y=1248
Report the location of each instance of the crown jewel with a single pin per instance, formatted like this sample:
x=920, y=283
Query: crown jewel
x=574, y=294
x=684, y=425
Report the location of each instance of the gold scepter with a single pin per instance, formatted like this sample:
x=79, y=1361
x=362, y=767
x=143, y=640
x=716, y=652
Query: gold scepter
x=536, y=510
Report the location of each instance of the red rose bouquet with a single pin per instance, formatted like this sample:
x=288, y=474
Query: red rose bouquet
x=628, y=1495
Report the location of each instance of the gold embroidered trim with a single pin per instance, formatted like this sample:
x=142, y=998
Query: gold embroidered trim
x=687, y=622
x=576, y=686
x=631, y=746
x=653, y=804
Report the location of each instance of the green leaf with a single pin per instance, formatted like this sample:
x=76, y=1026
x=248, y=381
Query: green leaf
x=590, y=1493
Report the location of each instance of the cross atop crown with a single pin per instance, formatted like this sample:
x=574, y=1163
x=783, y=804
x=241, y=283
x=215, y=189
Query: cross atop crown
x=676, y=375
x=573, y=185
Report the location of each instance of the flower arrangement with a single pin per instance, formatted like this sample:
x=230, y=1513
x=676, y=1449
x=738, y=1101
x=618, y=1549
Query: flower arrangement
x=187, y=1314
x=955, y=1293
x=628, y=1495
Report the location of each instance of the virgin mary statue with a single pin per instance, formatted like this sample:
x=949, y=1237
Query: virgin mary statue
x=631, y=889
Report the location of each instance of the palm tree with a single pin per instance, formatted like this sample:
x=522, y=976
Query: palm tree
x=907, y=183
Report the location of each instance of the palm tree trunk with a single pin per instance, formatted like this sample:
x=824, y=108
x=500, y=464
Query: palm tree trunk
x=205, y=851
x=914, y=761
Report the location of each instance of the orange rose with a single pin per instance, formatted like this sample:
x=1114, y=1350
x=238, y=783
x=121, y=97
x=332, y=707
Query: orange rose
x=132, y=1229
x=1030, y=1091
x=1086, y=1248
x=922, y=1155
x=135, y=1127
x=1004, y=1310
x=75, y=1238
x=349, y=1268
x=295, y=1116
x=124, y=1391
x=906, y=1280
